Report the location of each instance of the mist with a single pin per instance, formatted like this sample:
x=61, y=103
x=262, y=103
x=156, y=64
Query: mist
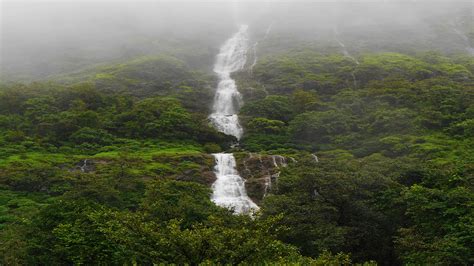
x=40, y=39
x=236, y=132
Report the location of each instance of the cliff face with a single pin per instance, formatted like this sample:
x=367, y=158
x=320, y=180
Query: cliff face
x=261, y=172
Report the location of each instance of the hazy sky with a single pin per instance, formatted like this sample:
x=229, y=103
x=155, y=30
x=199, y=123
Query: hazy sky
x=46, y=36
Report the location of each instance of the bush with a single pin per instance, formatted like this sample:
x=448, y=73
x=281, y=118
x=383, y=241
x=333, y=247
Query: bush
x=92, y=136
x=212, y=148
x=261, y=125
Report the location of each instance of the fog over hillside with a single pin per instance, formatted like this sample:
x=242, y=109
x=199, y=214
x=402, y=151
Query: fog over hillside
x=236, y=132
x=43, y=38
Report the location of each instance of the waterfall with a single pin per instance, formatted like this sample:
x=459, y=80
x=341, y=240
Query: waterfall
x=227, y=100
x=346, y=54
x=254, y=57
x=465, y=39
x=269, y=179
x=84, y=165
x=267, y=32
x=229, y=187
x=343, y=46
x=281, y=159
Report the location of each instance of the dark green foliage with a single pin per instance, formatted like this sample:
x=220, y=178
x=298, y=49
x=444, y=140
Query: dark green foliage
x=156, y=118
x=319, y=127
x=272, y=107
x=398, y=98
x=327, y=206
x=114, y=168
x=408, y=121
x=441, y=220
x=81, y=231
x=83, y=115
x=305, y=69
x=186, y=201
x=89, y=135
x=263, y=125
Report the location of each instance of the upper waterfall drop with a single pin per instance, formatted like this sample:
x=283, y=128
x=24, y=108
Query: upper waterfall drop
x=227, y=100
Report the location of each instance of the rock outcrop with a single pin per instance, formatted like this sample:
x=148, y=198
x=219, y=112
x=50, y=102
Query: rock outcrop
x=261, y=173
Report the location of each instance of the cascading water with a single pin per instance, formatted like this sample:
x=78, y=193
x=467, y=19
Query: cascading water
x=267, y=32
x=346, y=54
x=84, y=165
x=463, y=36
x=229, y=187
x=231, y=58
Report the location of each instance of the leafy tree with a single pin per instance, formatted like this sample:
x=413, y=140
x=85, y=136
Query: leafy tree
x=89, y=135
x=188, y=201
x=263, y=125
x=441, y=221
x=303, y=101
x=326, y=206
x=319, y=127
x=272, y=107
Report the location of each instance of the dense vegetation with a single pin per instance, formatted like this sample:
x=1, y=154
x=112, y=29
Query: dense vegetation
x=113, y=166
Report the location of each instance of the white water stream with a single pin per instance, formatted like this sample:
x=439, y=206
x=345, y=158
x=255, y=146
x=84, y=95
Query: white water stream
x=227, y=101
x=346, y=53
x=229, y=187
x=463, y=36
x=267, y=32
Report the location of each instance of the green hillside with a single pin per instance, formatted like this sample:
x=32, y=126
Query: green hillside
x=113, y=165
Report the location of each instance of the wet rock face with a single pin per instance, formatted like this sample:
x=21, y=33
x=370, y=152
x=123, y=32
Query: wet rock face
x=261, y=172
x=86, y=165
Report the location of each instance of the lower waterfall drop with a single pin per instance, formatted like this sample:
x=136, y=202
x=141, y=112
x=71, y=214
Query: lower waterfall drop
x=229, y=188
